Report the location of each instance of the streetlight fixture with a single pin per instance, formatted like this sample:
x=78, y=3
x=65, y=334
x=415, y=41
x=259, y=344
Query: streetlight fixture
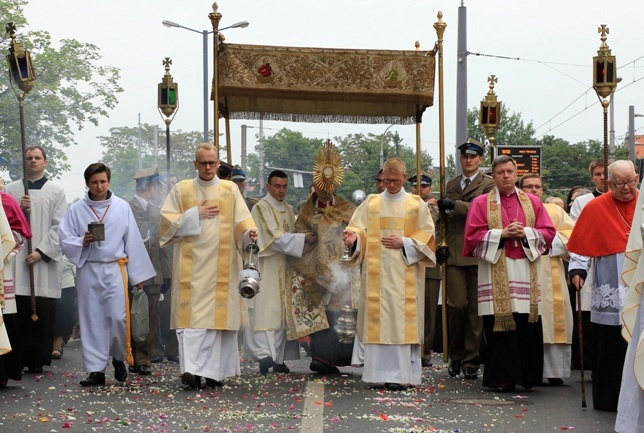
x=382, y=141
x=604, y=83
x=23, y=74
x=204, y=34
x=490, y=114
x=168, y=93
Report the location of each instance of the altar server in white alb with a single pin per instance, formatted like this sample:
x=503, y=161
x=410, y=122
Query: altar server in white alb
x=104, y=268
x=393, y=237
x=46, y=205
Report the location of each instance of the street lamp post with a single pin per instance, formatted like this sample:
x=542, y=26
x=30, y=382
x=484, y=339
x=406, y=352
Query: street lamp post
x=490, y=114
x=168, y=92
x=204, y=35
x=382, y=141
x=604, y=83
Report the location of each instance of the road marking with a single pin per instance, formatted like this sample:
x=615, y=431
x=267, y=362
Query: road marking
x=313, y=413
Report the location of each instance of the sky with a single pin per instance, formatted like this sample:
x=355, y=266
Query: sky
x=550, y=86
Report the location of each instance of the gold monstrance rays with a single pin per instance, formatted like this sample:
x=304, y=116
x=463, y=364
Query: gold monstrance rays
x=327, y=169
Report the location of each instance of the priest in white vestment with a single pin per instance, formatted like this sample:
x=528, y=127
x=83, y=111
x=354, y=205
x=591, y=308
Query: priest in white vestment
x=556, y=310
x=265, y=339
x=46, y=204
x=630, y=408
x=105, y=266
x=393, y=236
x=207, y=222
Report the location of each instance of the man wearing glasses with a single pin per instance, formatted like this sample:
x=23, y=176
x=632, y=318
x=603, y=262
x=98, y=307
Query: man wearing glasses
x=209, y=224
x=601, y=233
x=392, y=235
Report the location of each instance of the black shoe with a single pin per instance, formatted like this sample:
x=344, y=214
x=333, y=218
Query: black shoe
x=281, y=368
x=470, y=373
x=172, y=358
x=120, y=372
x=454, y=368
x=95, y=378
x=527, y=385
x=192, y=380
x=144, y=370
x=395, y=387
x=425, y=362
x=156, y=359
x=323, y=368
x=555, y=381
x=132, y=368
x=35, y=370
x=265, y=364
x=502, y=388
x=212, y=383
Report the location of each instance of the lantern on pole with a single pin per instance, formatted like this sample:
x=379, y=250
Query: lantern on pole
x=168, y=102
x=604, y=83
x=490, y=114
x=22, y=75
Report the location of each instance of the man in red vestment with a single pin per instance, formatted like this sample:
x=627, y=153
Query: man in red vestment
x=601, y=232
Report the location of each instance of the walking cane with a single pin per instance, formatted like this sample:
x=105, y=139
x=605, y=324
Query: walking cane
x=581, y=349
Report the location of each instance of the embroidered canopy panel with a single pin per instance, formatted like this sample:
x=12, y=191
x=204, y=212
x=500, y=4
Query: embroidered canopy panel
x=325, y=85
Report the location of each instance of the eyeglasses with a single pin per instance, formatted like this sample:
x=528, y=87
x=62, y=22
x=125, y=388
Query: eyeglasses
x=207, y=163
x=621, y=183
x=379, y=180
x=392, y=181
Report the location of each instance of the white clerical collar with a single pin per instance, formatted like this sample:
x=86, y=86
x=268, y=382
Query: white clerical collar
x=499, y=194
x=214, y=181
x=399, y=195
x=142, y=201
x=279, y=205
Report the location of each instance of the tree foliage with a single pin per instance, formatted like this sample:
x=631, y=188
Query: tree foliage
x=563, y=164
x=292, y=151
x=121, y=153
x=72, y=88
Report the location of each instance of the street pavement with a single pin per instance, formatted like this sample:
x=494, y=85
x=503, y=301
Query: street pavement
x=297, y=402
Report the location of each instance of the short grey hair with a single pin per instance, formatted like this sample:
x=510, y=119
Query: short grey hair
x=620, y=164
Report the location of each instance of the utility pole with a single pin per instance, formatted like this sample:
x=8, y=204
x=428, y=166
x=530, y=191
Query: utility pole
x=244, y=129
x=461, y=85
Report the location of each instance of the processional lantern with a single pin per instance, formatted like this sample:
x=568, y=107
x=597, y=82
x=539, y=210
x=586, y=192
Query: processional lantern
x=23, y=75
x=604, y=83
x=168, y=102
x=21, y=68
x=490, y=113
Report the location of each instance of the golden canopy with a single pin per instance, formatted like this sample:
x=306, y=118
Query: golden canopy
x=324, y=85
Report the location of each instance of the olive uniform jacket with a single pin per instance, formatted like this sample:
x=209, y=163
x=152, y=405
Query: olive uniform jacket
x=455, y=230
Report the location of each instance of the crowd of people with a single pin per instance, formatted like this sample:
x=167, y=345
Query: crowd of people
x=522, y=275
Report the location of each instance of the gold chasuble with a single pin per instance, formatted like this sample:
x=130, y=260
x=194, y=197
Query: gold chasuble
x=206, y=264
x=320, y=279
x=275, y=273
x=556, y=311
x=392, y=294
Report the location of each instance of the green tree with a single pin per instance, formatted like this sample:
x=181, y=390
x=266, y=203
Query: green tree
x=290, y=150
x=121, y=153
x=72, y=88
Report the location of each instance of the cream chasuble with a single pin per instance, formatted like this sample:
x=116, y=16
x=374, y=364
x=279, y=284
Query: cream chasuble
x=392, y=292
x=207, y=261
x=556, y=311
x=275, y=222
